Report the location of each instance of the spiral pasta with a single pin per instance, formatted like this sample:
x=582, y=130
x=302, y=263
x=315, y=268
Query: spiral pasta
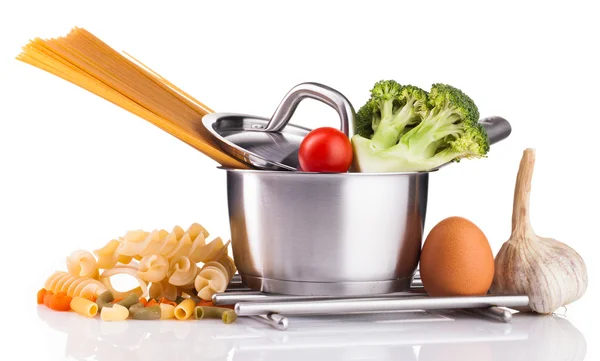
x=229, y=264
x=163, y=289
x=133, y=242
x=178, y=243
x=153, y=268
x=167, y=260
x=214, y=277
x=108, y=255
x=166, y=265
x=74, y=286
x=140, y=291
x=183, y=271
x=83, y=264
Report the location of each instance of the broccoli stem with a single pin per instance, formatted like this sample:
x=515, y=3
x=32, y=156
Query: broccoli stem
x=443, y=157
x=397, y=158
x=437, y=126
x=390, y=128
x=433, y=147
x=384, y=137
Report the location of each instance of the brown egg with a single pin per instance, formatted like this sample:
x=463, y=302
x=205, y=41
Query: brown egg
x=456, y=259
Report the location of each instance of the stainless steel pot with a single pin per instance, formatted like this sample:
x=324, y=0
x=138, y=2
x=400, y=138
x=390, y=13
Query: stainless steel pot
x=326, y=234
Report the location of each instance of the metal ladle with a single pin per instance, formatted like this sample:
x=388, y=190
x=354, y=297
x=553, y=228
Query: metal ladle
x=272, y=144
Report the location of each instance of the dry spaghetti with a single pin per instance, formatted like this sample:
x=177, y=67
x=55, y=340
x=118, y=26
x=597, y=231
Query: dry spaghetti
x=84, y=60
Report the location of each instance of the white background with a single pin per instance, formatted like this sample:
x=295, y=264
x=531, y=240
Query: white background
x=77, y=171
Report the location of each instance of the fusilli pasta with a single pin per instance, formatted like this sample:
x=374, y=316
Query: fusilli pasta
x=178, y=243
x=168, y=260
x=141, y=291
x=108, y=255
x=83, y=264
x=214, y=277
x=153, y=268
x=74, y=286
x=183, y=271
x=168, y=265
x=163, y=289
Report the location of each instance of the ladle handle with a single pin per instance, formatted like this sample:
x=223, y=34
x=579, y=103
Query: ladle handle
x=316, y=91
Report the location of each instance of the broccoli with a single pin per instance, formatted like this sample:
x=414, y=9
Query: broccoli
x=391, y=109
x=404, y=128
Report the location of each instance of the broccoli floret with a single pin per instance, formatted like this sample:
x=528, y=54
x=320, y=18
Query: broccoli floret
x=390, y=110
x=452, y=113
x=445, y=129
x=364, y=121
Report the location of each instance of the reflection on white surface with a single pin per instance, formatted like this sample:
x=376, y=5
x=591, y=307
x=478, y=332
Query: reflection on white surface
x=409, y=336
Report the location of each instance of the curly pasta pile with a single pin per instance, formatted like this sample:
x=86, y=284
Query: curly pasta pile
x=169, y=266
x=165, y=264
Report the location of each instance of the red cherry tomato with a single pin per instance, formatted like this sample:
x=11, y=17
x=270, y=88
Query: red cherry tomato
x=325, y=150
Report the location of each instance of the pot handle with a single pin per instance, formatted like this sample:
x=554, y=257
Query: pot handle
x=316, y=91
x=497, y=128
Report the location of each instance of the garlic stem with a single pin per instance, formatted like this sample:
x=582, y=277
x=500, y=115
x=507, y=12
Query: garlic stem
x=521, y=223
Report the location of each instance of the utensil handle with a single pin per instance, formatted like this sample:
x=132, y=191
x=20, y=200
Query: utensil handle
x=497, y=128
x=316, y=91
x=331, y=307
x=493, y=313
x=273, y=320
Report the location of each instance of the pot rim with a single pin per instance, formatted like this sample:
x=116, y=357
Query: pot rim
x=284, y=173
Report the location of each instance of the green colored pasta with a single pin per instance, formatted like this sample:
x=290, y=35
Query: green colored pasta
x=139, y=312
x=104, y=300
x=129, y=301
x=225, y=314
x=135, y=306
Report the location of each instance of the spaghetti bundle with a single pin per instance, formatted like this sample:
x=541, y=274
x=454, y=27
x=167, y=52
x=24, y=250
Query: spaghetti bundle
x=84, y=60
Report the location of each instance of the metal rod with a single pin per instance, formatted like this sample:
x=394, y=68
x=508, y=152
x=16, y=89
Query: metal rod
x=231, y=298
x=332, y=307
x=274, y=320
x=237, y=292
x=493, y=312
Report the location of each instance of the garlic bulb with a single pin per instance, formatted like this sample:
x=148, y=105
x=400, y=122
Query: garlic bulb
x=551, y=273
